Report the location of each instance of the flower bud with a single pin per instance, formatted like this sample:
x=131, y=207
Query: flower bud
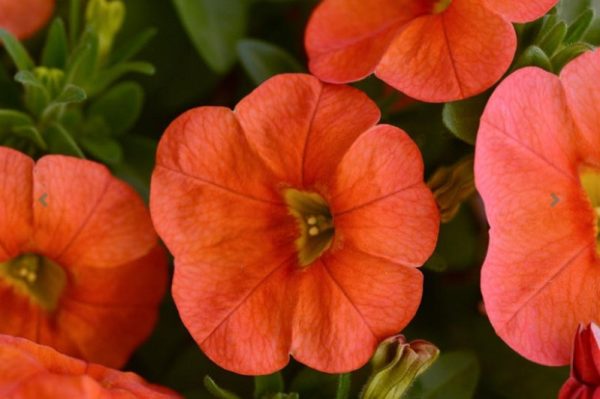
x=584, y=381
x=451, y=186
x=106, y=18
x=396, y=364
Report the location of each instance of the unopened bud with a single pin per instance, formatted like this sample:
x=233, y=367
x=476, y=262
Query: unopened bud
x=396, y=365
x=451, y=186
x=106, y=18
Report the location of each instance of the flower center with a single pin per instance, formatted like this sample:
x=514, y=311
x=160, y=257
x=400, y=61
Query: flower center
x=314, y=221
x=440, y=6
x=36, y=277
x=590, y=180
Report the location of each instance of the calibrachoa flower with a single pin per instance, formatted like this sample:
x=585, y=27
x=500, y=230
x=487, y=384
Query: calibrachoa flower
x=537, y=168
x=32, y=371
x=80, y=267
x=432, y=50
x=297, y=225
x=23, y=18
x=584, y=382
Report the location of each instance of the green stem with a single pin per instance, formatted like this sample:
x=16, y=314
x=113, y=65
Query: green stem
x=343, y=387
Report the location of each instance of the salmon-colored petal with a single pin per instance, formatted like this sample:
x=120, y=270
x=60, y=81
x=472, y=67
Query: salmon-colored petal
x=541, y=257
x=345, y=39
x=87, y=217
x=32, y=371
x=206, y=145
x=380, y=202
x=301, y=128
x=586, y=355
x=583, y=95
x=25, y=17
x=519, y=10
x=362, y=299
x=15, y=201
x=449, y=56
x=239, y=315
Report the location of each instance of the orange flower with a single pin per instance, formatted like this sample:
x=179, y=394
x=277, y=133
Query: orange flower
x=23, y=18
x=296, y=224
x=537, y=167
x=32, y=371
x=80, y=268
x=432, y=50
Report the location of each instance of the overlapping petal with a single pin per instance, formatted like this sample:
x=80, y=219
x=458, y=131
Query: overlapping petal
x=302, y=128
x=25, y=17
x=520, y=11
x=238, y=284
x=31, y=371
x=540, y=276
x=452, y=55
x=346, y=39
x=429, y=54
x=390, y=214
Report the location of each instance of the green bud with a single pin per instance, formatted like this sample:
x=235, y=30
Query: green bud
x=51, y=78
x=106, y=18
x=396, y=364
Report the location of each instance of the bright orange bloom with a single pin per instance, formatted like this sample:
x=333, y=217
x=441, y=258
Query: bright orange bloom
x=32, y=371
x=80, y=267
x=584, y=382
x=23, y=18
x=432, y=50
x=297, y=225
x=537, y=167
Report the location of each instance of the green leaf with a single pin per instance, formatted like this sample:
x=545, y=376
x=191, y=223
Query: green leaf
x=216, y=391
x=56, y=49
x=343, y=388
x=74, y=20
x=82, y=65
x=16, y=51
x=569, y=53
x=453, y=376
x=137, y=163
x=105, y=149
x=214, y=28
x=31, y=133
x=315, y=385
x=132, y=47
x=580, y=26
x=261, y=60
x=265, y=385
x=71, y=94
x=60, y=141
x=462, y=117
x=109, y=76
x=554, y=38
x=120, y=107
x=534, y=56
x=10, y=118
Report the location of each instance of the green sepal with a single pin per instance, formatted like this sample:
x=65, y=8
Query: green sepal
x=569, y=53
x=216, y=391
x=554, y=38
x=580, y=26
x=534, y=56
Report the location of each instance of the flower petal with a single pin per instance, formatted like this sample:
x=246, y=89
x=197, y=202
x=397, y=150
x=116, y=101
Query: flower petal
x=449, y=56
x=238, y=314
x=345, y=39
x=380, y=202
x=362, y=299
x=586, y=356
x=15, y=201
x=581, y=85
x=541, y=258
x=301, y=128
x=519, y=10
x=25, y=17
x=87, y=217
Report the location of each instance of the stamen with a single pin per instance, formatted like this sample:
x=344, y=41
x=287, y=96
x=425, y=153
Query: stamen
x=311, y=220
x=313, y=231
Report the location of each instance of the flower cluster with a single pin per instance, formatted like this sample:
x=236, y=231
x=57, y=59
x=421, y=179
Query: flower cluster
x=297, y=221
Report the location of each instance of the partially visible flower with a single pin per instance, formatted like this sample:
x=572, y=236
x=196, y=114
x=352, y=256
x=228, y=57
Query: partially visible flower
x=432, y=50
x=297, y=225
x=23, y=18
x=80, y=266
x=32, y=371
x=537, y=168
x=584, y=382
x=396, y=365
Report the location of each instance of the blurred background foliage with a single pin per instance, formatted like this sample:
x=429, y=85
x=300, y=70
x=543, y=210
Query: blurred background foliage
x=214, y=52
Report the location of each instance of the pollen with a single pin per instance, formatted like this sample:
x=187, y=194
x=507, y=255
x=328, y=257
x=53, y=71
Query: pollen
x=315, y=224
